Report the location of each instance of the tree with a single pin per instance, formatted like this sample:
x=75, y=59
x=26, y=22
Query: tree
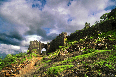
x=104, y=16
x=101, y=21
x=87, y=25
x=92, y=25
x=77, y=30
x=96, y=22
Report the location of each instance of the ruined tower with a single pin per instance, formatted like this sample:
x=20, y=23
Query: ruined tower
x=50, y=47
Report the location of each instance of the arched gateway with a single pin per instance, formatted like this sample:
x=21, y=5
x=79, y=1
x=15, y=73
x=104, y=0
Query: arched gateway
x=36, y=46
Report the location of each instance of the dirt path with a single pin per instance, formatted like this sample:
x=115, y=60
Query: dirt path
x=29, y=68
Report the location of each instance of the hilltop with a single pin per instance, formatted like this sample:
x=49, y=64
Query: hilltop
x=90, y=52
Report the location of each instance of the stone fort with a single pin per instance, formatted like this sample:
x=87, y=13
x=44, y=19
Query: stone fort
x=36, y=46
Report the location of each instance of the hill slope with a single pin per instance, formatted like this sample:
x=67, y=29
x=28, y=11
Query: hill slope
x=88, y=52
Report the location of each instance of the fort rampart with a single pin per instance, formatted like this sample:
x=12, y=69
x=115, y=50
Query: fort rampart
x=36, y=46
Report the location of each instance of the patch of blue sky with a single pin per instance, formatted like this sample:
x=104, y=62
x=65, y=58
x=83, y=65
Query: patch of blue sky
x=70, y=19
x=69, y=3
x=92, y=13
x=37, y=5
x=4, y=0
x=1, y=1
x=110, y=7
x=47, y=30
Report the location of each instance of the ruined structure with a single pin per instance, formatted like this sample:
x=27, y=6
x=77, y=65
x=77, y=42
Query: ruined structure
x=36, y=46
x=58, y=41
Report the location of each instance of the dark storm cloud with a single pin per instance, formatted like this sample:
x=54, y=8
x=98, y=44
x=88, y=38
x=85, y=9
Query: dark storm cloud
x=42, y=33
x=50, y=37
x=14, y=38
x=7, y=40
x=36, y=30
x=16, y=35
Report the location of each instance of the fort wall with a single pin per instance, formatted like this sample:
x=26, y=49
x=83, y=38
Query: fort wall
x=58, y=41
x=36, y=46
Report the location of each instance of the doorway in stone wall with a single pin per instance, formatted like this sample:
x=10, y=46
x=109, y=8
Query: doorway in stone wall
x=43, y=51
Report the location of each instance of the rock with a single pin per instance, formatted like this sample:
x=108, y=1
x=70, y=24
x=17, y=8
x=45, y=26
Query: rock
x=15, y=71
x=2, y=74
x=45, y=58
x=37, y=63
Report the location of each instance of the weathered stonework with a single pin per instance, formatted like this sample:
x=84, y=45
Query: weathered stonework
x=58, y=41
x=36, y=46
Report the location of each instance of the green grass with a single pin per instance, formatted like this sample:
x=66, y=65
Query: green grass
x=58, y=69
x=84, y=56
x=34, y=50
x=108, y=63
x=47, y=61
x=60, y=46
x=33, y=54
x=54, y=54
x=27, y=51
x=29, y=57
x=10, y=58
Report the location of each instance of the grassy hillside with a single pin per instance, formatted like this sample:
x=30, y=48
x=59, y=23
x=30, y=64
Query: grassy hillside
x=90, y=52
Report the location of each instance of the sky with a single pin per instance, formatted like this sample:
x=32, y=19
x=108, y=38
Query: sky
x=22, y=21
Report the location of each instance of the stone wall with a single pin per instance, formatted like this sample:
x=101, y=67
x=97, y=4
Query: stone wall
x=58, y=41
x=50, y=47
x=33, y=45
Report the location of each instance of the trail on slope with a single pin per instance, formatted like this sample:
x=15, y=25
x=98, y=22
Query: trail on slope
x=29, y=68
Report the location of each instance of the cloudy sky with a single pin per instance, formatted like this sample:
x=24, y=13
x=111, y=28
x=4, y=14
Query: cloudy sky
x=22, y=21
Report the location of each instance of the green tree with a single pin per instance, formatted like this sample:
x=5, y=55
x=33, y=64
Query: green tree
x=92, y=25
x=87, y=25
x=101, y=21
x=96, y=22
x=104, y=16
x=9, y=56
